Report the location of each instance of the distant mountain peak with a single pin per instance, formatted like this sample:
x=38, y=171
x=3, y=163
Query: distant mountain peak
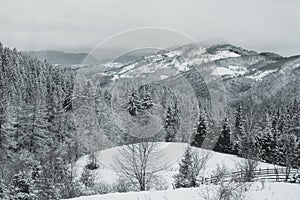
x=59, y=57
x=229, y=47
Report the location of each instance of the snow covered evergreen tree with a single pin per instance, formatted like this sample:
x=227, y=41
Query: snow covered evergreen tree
x=137, y=105
x=224, y=143
x=147, y=102
x=33, y=124
x=184, y=178
x=268, y=140
x=201, y=131
x=87, y=178
x=172, y=123
x=240, y=137
x=134, y=104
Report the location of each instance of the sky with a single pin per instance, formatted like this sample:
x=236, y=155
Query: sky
x=81, y=25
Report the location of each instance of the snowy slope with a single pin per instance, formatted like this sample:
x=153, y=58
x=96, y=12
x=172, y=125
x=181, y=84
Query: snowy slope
x=170, y=152
x=167, y=62
x=230, y=62
x=271, y=191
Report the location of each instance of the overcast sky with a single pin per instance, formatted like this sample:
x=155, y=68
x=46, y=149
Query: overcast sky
x=79, y=25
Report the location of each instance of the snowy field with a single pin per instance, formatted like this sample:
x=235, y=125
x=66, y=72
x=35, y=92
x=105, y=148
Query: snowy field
x=171, y=153
x=270, y=191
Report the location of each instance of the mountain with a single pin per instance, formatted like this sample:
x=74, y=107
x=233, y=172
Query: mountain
x=63, y=58
x=173, y=61
x=59, y=57
x=217, y=77
x=50, y=116
x=237, y=67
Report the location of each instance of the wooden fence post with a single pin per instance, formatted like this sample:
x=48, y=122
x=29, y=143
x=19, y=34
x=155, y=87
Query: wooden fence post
x=277, y=178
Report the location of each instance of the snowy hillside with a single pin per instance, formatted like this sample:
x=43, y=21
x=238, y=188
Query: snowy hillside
x=171, y=153
x=271, y=191
x=168, y=62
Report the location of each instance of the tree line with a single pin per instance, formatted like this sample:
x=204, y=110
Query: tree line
x=37, y=138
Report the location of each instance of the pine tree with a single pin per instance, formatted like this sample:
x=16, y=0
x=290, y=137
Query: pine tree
x=268, y=141
x=147, y=102
x=201, y=131
x=3, y=190
x=172, y=123
x=87, y=178
x=239, y=132
x=21, y=187
x=224, y=143
x=33, y=123
x=184, y=178
x=134, y=104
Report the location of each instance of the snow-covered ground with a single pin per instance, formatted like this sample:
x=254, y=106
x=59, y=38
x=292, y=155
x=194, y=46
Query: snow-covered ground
x=175, y=60
x=171, y=153
x=259, y=75
x=268, y=191
x=231, y=70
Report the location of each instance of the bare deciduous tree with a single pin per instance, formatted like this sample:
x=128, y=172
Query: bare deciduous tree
x=199, y=165
x=139, y=163
x=248, y=167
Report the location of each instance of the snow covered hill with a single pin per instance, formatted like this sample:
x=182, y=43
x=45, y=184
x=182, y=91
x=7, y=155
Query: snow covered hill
x=170, y=62
x=231, y=61
x=270, y=191
x=171, y=153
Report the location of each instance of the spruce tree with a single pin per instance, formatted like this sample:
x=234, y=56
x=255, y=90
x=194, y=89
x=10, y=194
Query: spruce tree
x=224, y=144
x=239, y=132
x=268, y=141
x=147, y=102
x=201, y=131
x=184, y=178
x=134, y=104
x=172, y=123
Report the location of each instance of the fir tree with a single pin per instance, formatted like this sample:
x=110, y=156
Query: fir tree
x=172, y=123
x=87, y=178
x=184, y=178
x=201, y=132
x=147, y=102
x=268, y=141
x=239, y=132
x=3, y=190
x=224, y=143
x=134, y=104
x=21, y=187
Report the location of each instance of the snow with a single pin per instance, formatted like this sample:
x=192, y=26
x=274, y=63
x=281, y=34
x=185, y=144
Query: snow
x=112, y=65
x=258, y=76
x=163, y=77
x=226, y=54
x=172, y=154
x=231, y=70
x=173, y=53
x=276, y=191
x=127, y=68
x=269, y=191
x=176, y=60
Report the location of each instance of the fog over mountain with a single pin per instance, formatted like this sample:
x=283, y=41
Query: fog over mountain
x=79, y=26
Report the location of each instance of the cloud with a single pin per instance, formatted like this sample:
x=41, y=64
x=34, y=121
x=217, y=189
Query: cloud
x=264, y=25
